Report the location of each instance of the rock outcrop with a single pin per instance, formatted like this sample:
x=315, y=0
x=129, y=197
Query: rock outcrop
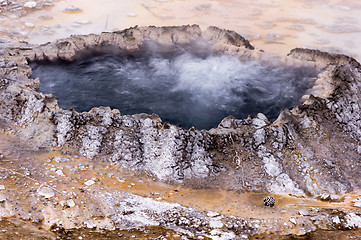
x=311, y=149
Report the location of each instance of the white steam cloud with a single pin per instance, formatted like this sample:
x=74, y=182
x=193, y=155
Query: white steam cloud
x=184, y=88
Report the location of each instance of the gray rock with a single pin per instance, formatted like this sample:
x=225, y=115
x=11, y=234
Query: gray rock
x=284, y=156
x=269, y=201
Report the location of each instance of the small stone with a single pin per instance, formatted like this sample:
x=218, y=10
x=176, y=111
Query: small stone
x=46, y=17
x=166, y=16
x=48, y=3
x=70, y=203
x=72, y=9
x=2, y=187
x=212, y=214
x=269, y=201
x=30, y=4
x=336, y=220
x=82, y=167
x=325, y=197
x=335, y=198
x=82, y=21
x=296, y=27
x=357, y=202
x=303, y=213
x=90, y=224
x=149, y=5
x=46, y=192
x=2, y=198
x=215, y=223
x=76, y=25
x=131, y=14
x=60, y=173
x=29, y=25
x=292, y=220
x=89, y=182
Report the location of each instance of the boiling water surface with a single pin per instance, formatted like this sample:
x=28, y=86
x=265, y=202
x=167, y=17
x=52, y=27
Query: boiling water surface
x=183, y=88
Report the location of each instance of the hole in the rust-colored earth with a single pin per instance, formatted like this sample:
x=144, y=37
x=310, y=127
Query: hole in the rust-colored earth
x=186, y=86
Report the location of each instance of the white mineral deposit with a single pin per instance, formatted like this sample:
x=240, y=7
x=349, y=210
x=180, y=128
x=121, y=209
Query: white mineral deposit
x=180, y=119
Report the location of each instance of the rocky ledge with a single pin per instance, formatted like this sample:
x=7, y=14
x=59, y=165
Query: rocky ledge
x=313, y=149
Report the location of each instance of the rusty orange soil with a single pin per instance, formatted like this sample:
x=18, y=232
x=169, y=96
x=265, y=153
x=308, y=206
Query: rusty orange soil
x=109, y=177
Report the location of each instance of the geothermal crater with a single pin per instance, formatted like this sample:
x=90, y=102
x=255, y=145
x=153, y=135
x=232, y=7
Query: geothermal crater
x=310, y=154
x=185, y=85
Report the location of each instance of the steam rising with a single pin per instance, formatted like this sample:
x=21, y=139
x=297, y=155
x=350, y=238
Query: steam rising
x=182, y=87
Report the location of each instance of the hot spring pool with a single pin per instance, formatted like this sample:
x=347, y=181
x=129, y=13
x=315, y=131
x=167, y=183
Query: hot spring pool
x=183, y=87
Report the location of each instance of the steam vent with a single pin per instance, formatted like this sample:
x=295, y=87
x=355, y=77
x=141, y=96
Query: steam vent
x=178, y=133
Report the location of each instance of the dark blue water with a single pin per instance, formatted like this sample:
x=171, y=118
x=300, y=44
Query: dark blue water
x=184, y=89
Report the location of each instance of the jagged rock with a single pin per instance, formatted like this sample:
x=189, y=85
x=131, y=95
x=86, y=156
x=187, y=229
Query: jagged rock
x=290, y=155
